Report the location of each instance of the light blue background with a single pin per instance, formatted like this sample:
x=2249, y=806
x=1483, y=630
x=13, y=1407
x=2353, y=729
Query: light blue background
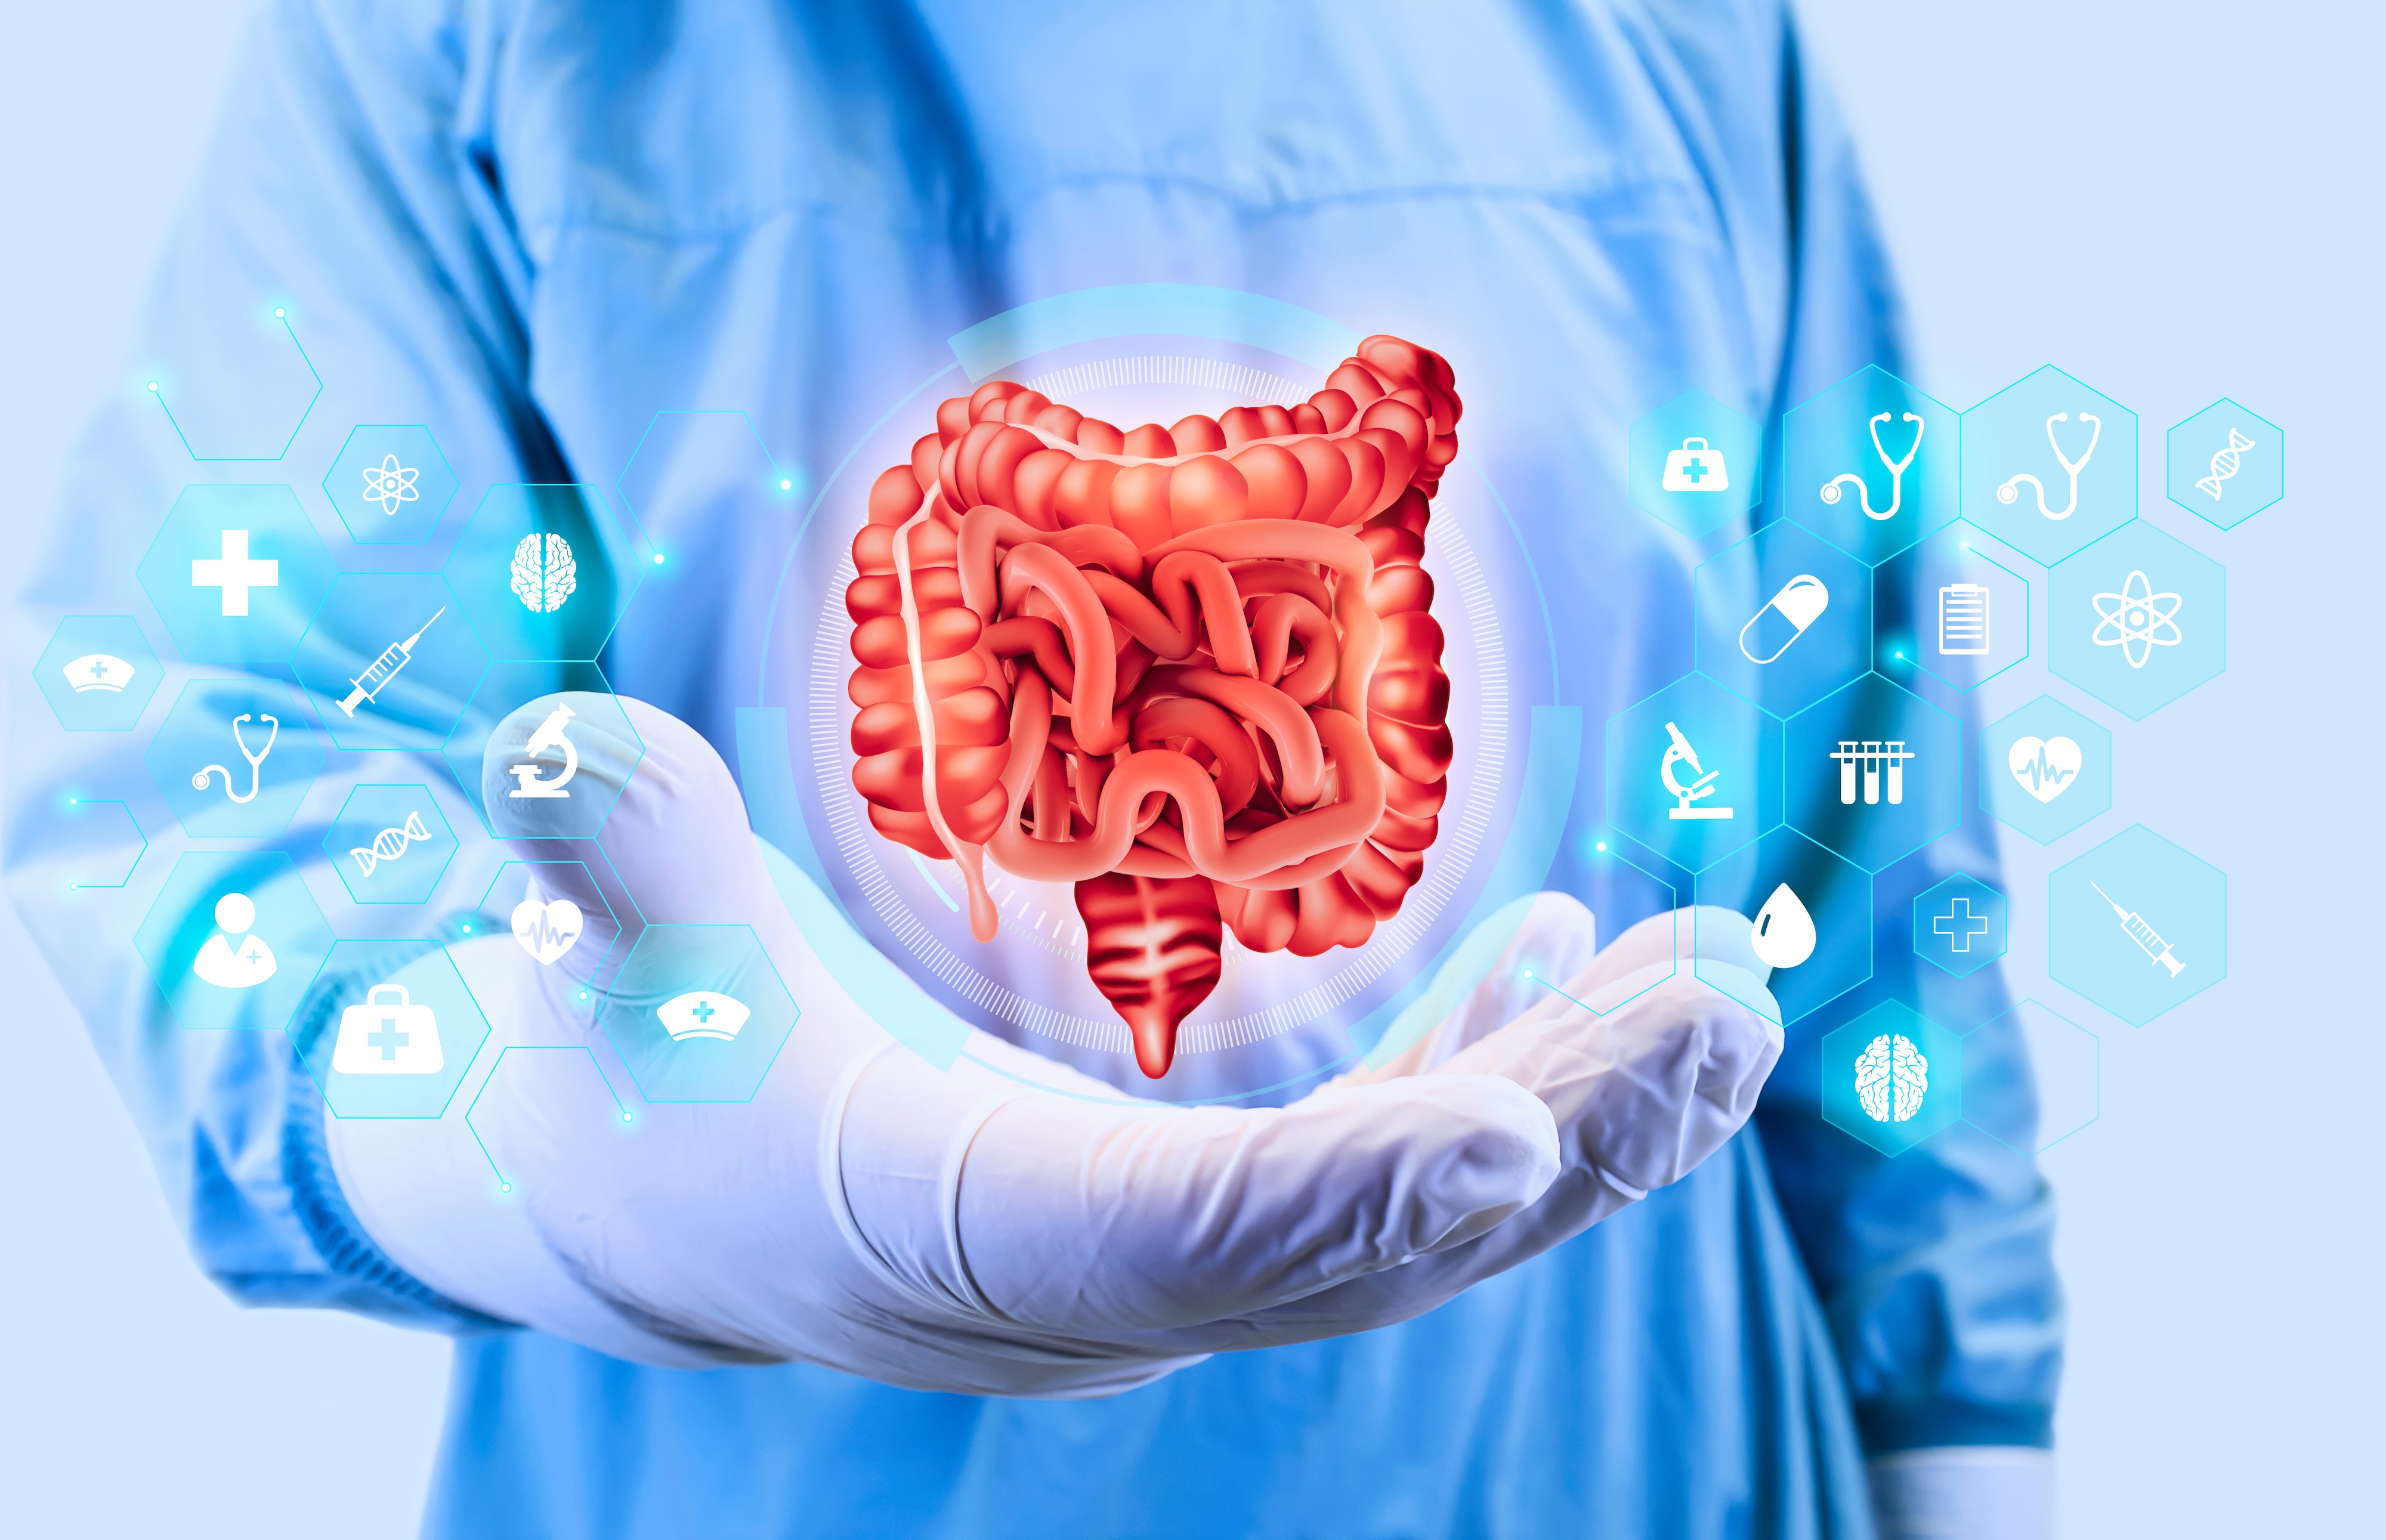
x=2219, y=1236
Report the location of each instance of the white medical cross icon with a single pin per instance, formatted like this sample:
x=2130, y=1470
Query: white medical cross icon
x=235, y=572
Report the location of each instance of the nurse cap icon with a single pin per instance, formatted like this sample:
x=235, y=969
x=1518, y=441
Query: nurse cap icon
x=98, y=671
x=228, y=966
x=1801, y=601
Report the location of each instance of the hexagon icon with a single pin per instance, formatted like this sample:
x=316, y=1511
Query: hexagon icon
x=2031, y=1078
x=390, y=843
x=1693, y=463
x=1808, y=916
x=1874, y=772
x=2137, y=925
x=390, y=661
x=2050, y=465
x=236, y=573
x=2046, y=769
x=98, y=673
x=698, y=1013
x=1959, y=925
x=389, y=1028
x=2138, y=619
x=1892, y=1078
x=1871, y=465
x=1690, y=771
x=390, y=484
x=545, y=570
x=1782, y=617
x=559, y=910
x=2224, y=464
x=234, y=758
x=233, y=939
x=1965, y=613
x=518, y=753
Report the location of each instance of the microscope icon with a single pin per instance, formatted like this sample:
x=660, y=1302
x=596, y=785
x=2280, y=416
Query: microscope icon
x=528, y=780
x=1679, y=752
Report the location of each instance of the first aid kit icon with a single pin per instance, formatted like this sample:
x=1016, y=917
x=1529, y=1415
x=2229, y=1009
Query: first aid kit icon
x=387, y=1036
x=1695, y=468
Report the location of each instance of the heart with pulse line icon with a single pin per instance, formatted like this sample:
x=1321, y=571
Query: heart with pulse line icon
x=546, y=930
x=2046, y=767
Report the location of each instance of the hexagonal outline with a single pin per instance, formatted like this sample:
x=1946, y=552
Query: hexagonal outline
x=630, y=526
x=1872, y=618
x=631, y=1070
x=2057, y=872
x=1872, y=567
x=504, y=1186
x=794, y=480
x=2170, y=497
x=2136, y=493
x=268, y=858
x=1755, y=483
x=157, y=666
x=81, y=801
x=1988, y=736
x=2004, y=945
x=441, y=518
x=2028, y=643
x=2093, y=1117
x=1855, y=1025
x=330, y=853
x=2053, y=672
x=281, y=313
x=489, y=1029
x=1955, y=720
x=588, y=991
x=1611, y=844
x=304, y=725
x=488, y=659
x=1872, y=962
x=164, y=611
x=472, y=796
x=1607, y=819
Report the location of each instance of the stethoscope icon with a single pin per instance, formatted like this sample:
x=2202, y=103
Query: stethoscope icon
x=2006, y=493
x=256, y=761
x=1832, y=492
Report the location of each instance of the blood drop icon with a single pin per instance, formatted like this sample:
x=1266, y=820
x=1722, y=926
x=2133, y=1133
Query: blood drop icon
x=1783, y=932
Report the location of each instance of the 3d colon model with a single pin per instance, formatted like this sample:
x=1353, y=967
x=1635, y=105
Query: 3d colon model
x=1189, y=669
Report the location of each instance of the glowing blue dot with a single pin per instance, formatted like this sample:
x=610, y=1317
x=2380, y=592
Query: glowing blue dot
x=277, y=312
x=505, y=1186
x=1529, y=972
x=153, y=385
x=467, y=930
x=786, y=486
x=658, y=558
x=625, y=1117
x=583, y=994
x=1600, y=846
x=73, y=801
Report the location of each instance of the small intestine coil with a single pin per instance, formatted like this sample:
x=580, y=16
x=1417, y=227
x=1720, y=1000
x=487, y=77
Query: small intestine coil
x=1192, y=670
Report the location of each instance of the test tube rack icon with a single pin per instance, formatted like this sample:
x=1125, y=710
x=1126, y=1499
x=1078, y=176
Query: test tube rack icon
x=1874, y=757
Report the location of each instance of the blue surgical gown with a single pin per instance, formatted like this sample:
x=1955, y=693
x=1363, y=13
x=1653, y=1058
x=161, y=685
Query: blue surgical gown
x=529, y=226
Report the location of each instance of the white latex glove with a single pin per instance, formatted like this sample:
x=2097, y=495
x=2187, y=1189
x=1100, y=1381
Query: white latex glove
x=1989, y=1492
x=961, y=1231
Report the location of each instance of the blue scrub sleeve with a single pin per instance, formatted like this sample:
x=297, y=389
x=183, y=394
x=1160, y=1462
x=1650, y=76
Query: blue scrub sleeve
x=337, y=174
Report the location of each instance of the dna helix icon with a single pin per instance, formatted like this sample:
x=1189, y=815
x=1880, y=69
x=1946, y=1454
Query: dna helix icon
x=2224, y=463
x=390, y=843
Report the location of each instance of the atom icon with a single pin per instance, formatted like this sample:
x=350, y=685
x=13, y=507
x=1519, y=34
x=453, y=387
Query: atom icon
x=389, y=483
x=2136, y=619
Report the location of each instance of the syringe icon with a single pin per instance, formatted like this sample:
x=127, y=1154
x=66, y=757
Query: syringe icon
x=384, y=668
x=2133, y=925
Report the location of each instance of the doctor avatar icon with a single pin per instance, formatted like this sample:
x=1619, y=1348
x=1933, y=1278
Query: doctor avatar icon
x=234, y=957
x=2010, y=490
x=256, y=760
x=2136, y=619
x=1695, y=468
x=530, y=779
x=1832, y=490
x=98, y=671
x=1679, y=752
x=234, y=572
x=1800, y=603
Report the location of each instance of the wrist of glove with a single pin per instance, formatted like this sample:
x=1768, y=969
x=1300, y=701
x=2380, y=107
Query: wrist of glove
x=1963, y=1492
x=1009, y=1226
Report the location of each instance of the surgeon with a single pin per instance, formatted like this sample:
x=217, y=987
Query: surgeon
x=1542, y=1274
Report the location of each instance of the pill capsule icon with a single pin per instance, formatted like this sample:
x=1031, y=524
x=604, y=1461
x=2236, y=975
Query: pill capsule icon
x=1784, y=618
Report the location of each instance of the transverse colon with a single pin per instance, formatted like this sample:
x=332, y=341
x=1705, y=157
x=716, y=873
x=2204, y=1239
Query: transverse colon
x=1192, y=670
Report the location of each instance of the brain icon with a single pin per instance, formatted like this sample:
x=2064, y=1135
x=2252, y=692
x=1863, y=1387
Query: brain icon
x=1191, y=670
x=544, y=574
x=1892, y=1078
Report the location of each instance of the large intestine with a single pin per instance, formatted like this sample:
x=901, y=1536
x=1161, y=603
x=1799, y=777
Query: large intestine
x=1190, y=669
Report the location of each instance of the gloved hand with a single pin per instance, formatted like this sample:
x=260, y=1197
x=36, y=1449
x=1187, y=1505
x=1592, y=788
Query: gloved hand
x=959, y=1229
